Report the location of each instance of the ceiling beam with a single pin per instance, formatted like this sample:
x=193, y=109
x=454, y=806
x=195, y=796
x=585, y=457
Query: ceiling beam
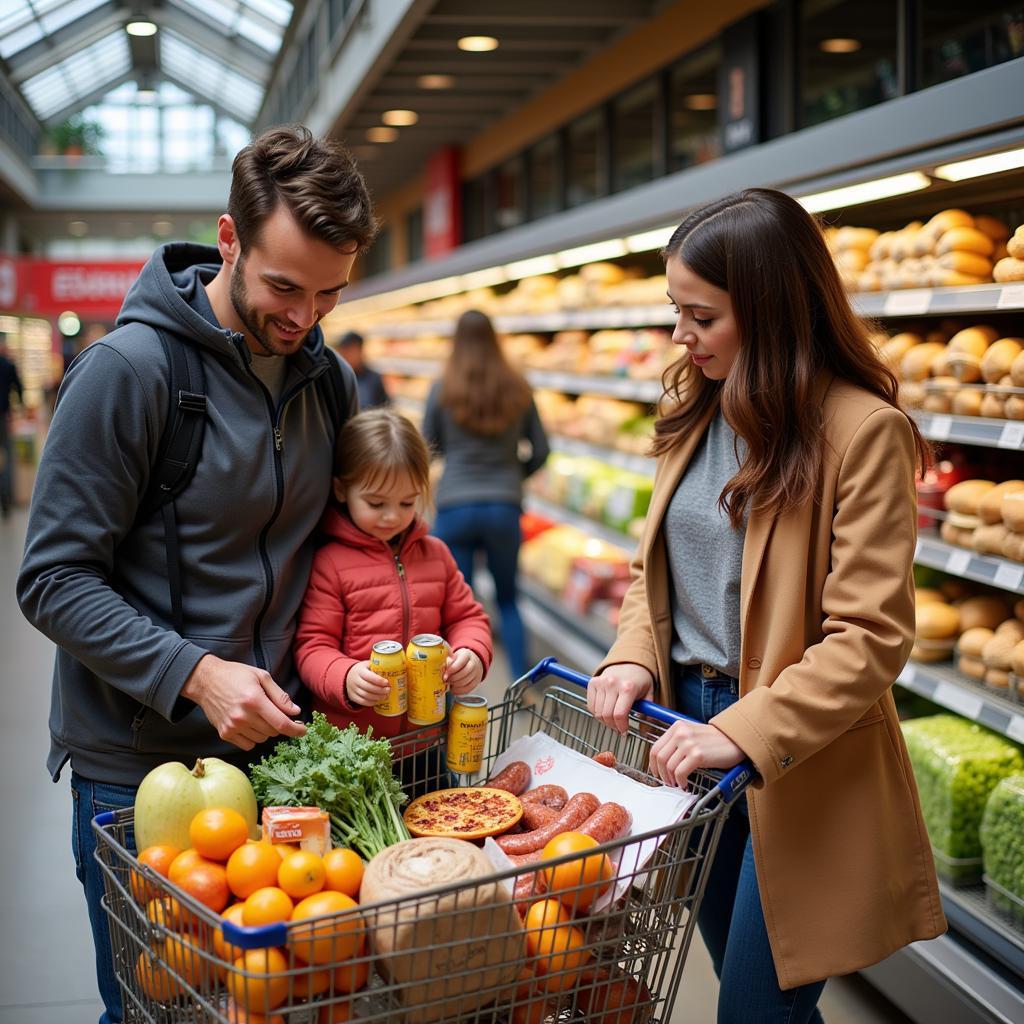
x=201, y=96
x=89, y=99
x=458, y=65
x=542, y=12
x=238, y=53
x=67, y=40
x=573, y=34
x=476, y=82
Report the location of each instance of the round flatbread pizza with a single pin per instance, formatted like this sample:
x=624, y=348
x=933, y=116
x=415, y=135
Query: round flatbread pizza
x=471, y=812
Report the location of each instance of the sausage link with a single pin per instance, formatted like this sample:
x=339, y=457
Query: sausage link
x=537, y=815
x=574, y=814
x=513, y=778
x=606, y=757
x=519, y=859
x=528, y=888
x=548, y=795
x=608, y=822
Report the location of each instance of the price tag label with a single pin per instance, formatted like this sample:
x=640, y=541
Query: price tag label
x=939, y=428
x=1015, y=730
x=1009, y=576
x=911, y=302
x=1011, y=297
x=1012, y=436
x=958, y=562
x=951, y=696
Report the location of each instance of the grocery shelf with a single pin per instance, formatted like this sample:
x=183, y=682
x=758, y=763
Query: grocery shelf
x=968, y=911
x=980, y=298
x=589, y=526
x=997, y=572
x=585, y=638
x=408, y=367
x=628, y=388
x=944, y=685
x=988, y=433
x=621, y=460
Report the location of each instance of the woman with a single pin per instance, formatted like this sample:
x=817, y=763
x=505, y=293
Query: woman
x=773, y=601
x=476, y=416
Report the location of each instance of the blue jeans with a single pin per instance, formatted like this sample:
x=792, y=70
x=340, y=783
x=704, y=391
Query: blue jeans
x=6, y=464
x=89, y=799
x=491, y=527
x=731, y=920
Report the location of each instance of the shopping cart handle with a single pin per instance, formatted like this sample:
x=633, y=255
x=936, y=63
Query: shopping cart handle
x=732, y=783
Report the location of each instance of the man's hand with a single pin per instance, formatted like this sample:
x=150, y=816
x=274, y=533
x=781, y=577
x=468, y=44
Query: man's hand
x=611, y=694
x=364, y=687
x=463, y=671
x=242, y=703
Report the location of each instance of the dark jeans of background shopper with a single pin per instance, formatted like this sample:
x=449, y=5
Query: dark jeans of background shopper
x=493, y=528
x=90, y=798
x=6, y=465
x=731, y=919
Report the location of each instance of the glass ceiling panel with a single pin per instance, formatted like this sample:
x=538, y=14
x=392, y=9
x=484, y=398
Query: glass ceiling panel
x=24, y=22
x=262, y=21
x=185, y=62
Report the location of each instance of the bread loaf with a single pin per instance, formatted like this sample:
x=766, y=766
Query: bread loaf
x=972, y=641
x=965, y=240
x=1017, y=659
x=998, y=360
x=974, y=340
x=966, y=263
x=990, y=508
x=983, y=612
x=991, y=226
x=989, y=539
x=973, y=667
x=1017, y=371
x=855, y=238
x=936, y=621
x=967, y=402
x=993, y=406
x=945, y=220
x=1015, y=246
x=1012, y=511
x=965, y=496
x=1008, y=269
x=917, y=363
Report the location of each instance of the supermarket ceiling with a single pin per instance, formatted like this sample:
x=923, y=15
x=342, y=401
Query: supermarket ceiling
x=454, y=92
x=64, y=55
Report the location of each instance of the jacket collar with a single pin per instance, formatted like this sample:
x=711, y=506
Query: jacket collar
x=338, y=525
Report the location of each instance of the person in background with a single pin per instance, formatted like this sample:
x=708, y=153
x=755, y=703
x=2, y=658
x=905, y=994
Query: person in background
x=131, y=690
x=372, y=392
x=9, y=382
x=477, y=416
x=772, y=602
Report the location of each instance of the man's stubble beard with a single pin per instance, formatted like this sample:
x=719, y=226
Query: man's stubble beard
x=250, y=318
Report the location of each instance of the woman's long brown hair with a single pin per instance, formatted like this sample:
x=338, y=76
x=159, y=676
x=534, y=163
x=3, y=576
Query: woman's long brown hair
x=796, y=329
x=481, y=391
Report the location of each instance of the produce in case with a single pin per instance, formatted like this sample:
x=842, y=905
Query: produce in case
x=957, y=764
x=1002, y=843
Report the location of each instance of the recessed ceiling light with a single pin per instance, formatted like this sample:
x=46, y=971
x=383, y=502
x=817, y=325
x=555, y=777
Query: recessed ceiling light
x=839, y=45
x=78, y=228
x=400, y=118
x=140, y=28
x=701, y=101
x=478, y=44
x=435, y=81
x=380, y=134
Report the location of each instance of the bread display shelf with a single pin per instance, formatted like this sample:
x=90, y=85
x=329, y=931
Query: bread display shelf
x=996, y=572
x=621, y=460
x=591, y=527
x=981, y=298
x=975, y=430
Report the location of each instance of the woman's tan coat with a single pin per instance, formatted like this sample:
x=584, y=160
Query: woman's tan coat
x=827, y=621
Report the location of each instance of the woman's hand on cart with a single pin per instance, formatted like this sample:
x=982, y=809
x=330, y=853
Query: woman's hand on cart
x=615, y=690
x=686, y=746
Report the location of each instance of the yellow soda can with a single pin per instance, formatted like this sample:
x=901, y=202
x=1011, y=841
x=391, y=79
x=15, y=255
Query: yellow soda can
x=424, y=666
x=387, y=659
x=467, y=730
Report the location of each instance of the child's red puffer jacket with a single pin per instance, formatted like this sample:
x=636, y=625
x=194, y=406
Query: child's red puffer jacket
x=357, y=595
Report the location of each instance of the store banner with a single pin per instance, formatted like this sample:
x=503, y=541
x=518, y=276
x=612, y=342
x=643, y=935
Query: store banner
x=47, y=288
x=442, y=204
x=739, y=98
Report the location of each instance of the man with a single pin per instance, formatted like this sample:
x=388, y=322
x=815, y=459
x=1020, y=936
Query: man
x=9, y=381
x=371, y=385
x=129, y=691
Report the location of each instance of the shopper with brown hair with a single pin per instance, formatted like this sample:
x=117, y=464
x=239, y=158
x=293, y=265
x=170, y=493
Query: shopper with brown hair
x=174, y=620
x=476, y=417
x=773, y=602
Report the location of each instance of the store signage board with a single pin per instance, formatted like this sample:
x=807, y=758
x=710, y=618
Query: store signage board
x=48, y=288
x=442, y=204
x=739, y=117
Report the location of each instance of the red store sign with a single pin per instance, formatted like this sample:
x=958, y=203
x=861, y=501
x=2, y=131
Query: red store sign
x=45, y=288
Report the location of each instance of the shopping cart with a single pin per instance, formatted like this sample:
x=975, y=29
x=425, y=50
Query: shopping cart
x=455, y=952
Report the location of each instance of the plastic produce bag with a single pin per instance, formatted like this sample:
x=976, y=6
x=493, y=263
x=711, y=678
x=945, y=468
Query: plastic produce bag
x=957, y=764
x=1002, y=843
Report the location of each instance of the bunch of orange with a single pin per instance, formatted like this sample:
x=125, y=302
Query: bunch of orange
x=252, y=884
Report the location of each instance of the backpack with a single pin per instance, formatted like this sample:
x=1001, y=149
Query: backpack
x=181, y=444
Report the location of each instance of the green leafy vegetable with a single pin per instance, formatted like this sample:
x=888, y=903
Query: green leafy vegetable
x=344, y=772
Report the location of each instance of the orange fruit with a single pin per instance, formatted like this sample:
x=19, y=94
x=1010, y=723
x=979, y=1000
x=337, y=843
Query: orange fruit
x=182, y=957
x=546, y=915
x=344, y=871
x=236, y=1015
x=266, y=906
x=351, y=977
x=216, y=832
x=252, y=866
x=158, y=858
x=301, y=874
x=323, y=937
x=208, y=883
x=154, y=980
x=257, y=981
x=577, y=883
x=311, y=983
x=165, y=911
x=335, y=1013
x=224, y=951
x=561, y=950
x=183, y=863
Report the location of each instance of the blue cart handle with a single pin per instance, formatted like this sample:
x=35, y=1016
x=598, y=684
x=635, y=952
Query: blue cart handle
x=732, y=783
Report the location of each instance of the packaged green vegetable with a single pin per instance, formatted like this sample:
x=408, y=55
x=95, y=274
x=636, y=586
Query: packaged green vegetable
x=957, y=764
x=1002, y=843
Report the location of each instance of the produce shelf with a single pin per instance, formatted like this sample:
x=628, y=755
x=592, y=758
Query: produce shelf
x=560, y=514
x=614, y=387
x=980, y=298
x=585, y=637
x=944, y=685
x=621, y=460
x=987, y=433
x=969, y=913
x=997, y=572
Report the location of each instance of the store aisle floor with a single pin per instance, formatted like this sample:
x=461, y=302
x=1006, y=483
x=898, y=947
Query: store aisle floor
x=46, y=976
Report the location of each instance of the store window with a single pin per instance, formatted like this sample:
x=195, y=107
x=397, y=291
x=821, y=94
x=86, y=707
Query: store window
x=509, y=195
x=545, y=177
x=414, y=235
x=585, y=172
x=635, y=135
x=693, y=134
x=958, y=38
x=848, y=56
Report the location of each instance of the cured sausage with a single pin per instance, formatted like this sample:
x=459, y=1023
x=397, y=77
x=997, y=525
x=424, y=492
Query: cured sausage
x=608, y=822
x=569, y=819
x=513, y=778
x=606, y=757
x=537, y=815
x=528, y=888
x=524, y=858
x=548, y=795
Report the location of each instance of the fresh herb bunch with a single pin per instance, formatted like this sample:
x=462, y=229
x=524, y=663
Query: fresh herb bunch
x=344, y=772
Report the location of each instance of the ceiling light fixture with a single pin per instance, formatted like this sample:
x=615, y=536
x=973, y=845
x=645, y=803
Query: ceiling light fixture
x=991, y=163
x=435, y=81
x=865, y=192
x=141, y=27
x=400, y=118
x=478, y=44
x=645, y=241
x=839, y=45
x=576, y=257
x=381, y=134
x=701, y=101
x=530, y=267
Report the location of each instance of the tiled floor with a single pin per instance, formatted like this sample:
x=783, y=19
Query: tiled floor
x=46, y=974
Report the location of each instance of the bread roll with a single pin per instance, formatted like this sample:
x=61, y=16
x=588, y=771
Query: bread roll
x=1012, y=628
x=1013, y=407
x=989, y=539
x=967, y=402
x=965, y=367
x=1012, y=511
x=855, y=238
x=932, y=651
x=945, y=220
x=996, y=653
x=1008, y=269
x=881, y=247
x=952, y=534
x=972, y=641
x=1013, y=546
x=974, y=340
x=941, y=277
x=1017, y=659
x=1015, y=246
x=869, y=281
x=957, y=590
x=974, y=668
x=966, y=263
x=913, y=394
x=983, y=612
x=926, y=595
x=852, y=259
x=965, y=496
x=965, y=240
x=991, y=505
x=917, y=363
x=936, y=621
x=895, y=348
x=997, y=678
x=993, y=406
x=939, y=400
x=991, y=226
x=1017, y=371
x=903, y=243
x=998, y=360
x=602, y=273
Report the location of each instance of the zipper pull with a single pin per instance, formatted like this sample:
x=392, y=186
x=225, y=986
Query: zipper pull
x=400, y=567
x=278, y=443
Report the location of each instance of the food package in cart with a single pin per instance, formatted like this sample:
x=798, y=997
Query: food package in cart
x=1002, y=844
x=957, y=764
x=652, y=808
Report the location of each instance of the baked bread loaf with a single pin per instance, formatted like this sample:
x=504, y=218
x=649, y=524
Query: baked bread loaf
x=1015, y=246
x=1008, y=269
x=965, y=239
x=983, y=612
x=999, y=358
x=990, y=508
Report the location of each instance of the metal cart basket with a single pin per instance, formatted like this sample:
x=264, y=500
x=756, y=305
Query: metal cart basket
x=456, y=952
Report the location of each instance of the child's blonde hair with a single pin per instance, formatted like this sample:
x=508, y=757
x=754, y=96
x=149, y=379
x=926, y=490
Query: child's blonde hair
x=376, y=446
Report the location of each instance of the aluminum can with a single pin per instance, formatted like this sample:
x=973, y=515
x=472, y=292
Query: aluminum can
x=467, y=731
x=424, y=666
x=388, y=660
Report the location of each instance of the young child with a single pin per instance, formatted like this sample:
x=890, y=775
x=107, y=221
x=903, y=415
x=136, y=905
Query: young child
x=381, y=576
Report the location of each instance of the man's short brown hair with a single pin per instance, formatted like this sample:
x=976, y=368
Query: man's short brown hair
x=317, y=181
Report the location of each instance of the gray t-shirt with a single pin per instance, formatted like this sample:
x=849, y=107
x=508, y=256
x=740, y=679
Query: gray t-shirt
x=705, y=556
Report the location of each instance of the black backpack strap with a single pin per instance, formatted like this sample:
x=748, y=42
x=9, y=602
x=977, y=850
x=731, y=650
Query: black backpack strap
x=332, y=386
